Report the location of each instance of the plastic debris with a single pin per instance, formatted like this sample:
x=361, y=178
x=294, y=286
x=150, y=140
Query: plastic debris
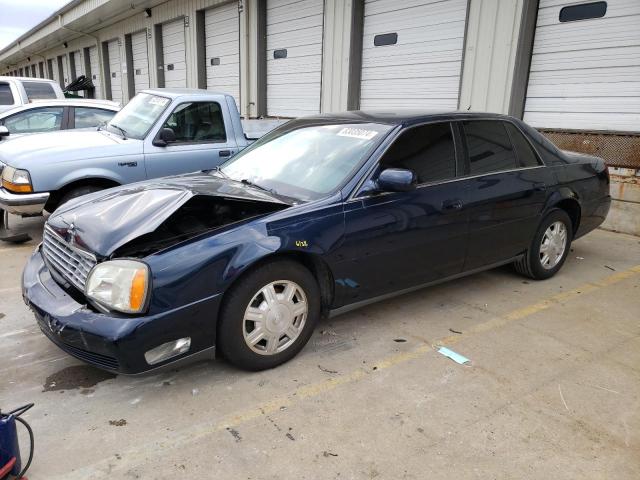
x=456, y=357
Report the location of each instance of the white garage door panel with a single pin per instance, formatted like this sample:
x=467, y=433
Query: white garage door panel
x=78, y=63
x=586, y=74
x=140, y=57
x=294, y=82
x=65, y=71
x=174, y=53
x=422, y=70
x=115, y=70
x=222, y=41
x=95, y=71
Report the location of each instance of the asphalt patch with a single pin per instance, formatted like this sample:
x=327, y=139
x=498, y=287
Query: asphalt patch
x=77, y=376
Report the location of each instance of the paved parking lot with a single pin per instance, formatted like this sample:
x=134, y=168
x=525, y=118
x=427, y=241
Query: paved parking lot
x=553, y=390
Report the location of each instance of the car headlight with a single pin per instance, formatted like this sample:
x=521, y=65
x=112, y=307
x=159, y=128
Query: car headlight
x=121, y=285
x=16, y=180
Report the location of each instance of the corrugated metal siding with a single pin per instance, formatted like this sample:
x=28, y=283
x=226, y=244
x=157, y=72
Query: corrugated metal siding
x=336, y=50
x=493, y=27
x=174, y=54
x=586, y=74
x=115, y=69
x=422, y=70
x=294, y=82
x=140, y=56
x=222, y=46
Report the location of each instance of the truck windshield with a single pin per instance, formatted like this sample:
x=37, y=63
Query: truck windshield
x=138, y=116
x=306, y=160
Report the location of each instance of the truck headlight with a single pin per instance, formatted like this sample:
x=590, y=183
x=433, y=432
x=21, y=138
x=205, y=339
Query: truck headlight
x=16, y=180
x=121, y=285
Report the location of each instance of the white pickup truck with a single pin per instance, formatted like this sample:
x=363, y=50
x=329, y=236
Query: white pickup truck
x=16, y=91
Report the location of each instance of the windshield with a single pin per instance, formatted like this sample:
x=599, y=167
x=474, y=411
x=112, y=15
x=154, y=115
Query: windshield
x=304, y=160
x=138, y=116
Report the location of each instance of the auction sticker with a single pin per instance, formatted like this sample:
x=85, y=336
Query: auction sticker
x=360, y=133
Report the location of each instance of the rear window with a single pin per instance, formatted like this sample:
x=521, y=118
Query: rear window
x=6, y=97
x=489, y=147
x=39, y=90
x=91, y=117
x=526, y=156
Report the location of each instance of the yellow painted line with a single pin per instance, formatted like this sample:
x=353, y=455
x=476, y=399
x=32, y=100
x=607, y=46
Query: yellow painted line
x=133, y=457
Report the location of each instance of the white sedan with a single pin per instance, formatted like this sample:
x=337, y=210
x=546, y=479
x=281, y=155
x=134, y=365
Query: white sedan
x=51, y=115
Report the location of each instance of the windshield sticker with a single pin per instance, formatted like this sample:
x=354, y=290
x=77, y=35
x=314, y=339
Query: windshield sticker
x=360, y=133
x=158, y=101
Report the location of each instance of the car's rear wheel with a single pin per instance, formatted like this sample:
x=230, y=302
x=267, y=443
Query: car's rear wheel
x=549, y=248
x=269, y=316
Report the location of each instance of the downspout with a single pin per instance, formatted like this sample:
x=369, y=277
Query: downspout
x=98, y=47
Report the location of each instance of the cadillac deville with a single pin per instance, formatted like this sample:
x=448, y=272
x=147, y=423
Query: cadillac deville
x=322, y=215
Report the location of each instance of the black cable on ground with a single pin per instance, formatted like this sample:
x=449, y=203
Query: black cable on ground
x=31, y=442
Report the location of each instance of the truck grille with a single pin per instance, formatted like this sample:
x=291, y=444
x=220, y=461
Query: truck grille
x=70, y=262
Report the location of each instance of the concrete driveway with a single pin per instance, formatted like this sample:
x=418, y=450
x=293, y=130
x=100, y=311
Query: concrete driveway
x=553, y=389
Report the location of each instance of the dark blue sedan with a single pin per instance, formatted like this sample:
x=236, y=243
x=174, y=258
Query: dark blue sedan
x=322, y=215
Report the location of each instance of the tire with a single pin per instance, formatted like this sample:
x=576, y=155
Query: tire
x=534, y=264
x=256, y=332
x=78, y=192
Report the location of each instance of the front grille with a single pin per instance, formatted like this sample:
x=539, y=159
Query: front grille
x=73, y=264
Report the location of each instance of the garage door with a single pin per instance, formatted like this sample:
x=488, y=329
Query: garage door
x=140, y=62
x=78, y=65
x=174, y=54
x=585, y=66
x=412, y=54
x=115, y=70
x=222, y=46
x=294, y=57
x=95, y=71
x=64, y=62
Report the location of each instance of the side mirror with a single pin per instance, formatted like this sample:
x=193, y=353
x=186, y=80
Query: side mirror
x=165, y=137
x=4, y=131
x=396, y=180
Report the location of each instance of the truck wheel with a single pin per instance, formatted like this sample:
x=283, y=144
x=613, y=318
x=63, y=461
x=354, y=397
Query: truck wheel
x=78, y=192
x=269, y=316
x=549, y=248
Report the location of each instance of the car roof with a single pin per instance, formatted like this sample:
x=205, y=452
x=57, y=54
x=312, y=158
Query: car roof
x=181, y=92
x=405, y=117
x=27, y=79
x=70, y=102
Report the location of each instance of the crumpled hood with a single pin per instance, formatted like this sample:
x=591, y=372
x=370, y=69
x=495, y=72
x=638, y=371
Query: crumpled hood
x=55, y=147
x=104, y=221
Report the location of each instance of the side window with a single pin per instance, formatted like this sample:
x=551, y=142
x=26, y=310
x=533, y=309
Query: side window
x=44, y=119
x=6, y=97
x=427, y=150
x=86, y=117
x=526, y=155
x=489, y=147
x=197, y=122
x=39, y=90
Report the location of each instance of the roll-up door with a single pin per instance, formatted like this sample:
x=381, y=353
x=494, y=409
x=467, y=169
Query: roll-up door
x=412, y=54
x=78, y=66
x=174, y=54
x=585, y=66
x=53, y=69
x=140, y=56
x=95, y=71
x=294, y=57
x=115, y=70
x=66, y=74
x=222, y=46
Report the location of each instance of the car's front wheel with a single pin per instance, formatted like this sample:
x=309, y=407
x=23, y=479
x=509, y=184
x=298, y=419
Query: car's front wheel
x=268, y=316
x=549, y=248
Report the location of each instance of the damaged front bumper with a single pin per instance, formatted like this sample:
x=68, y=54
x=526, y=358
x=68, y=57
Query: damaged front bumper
x=115, y=343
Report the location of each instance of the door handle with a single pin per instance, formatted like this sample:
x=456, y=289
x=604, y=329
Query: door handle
x=127, y=164
x=225, y=153
x=455, y=204
x=539, y=187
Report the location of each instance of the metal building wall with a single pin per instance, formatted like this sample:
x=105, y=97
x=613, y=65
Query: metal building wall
x=491, y=42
